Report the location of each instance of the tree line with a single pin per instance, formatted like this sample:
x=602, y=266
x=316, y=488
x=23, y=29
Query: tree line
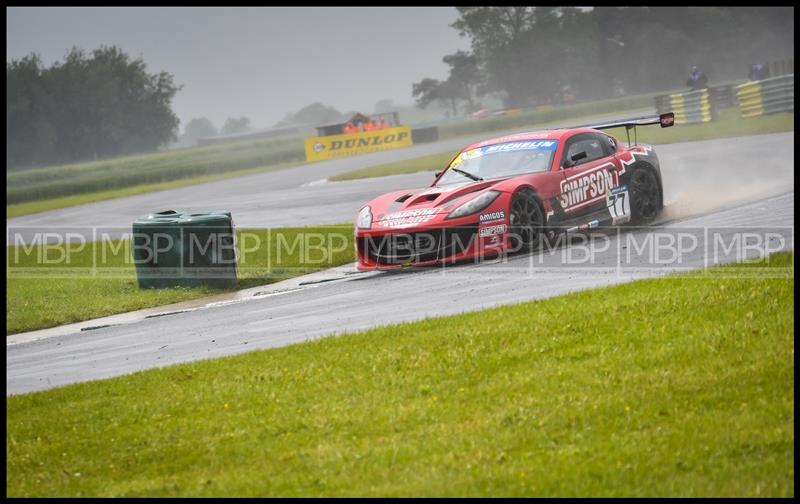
x=535, y=55
x=202, y=127
x=88, y=106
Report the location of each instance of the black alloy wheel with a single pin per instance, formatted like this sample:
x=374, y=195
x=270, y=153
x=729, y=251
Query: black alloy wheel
x=527, y=221
x=644, y=196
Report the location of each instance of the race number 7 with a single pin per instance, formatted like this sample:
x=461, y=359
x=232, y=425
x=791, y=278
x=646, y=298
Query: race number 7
x=619, y=205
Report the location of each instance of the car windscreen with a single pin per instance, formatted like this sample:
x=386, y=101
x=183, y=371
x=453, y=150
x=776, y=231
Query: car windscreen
x=500, y=160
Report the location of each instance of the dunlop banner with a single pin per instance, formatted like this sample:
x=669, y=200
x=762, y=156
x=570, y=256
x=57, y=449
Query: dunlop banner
x=336, y=146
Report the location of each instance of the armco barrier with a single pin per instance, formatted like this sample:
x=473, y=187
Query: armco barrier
x=690, y=107
x=768, y=96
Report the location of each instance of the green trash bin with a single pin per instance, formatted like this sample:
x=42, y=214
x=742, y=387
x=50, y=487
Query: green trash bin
x=172, y=249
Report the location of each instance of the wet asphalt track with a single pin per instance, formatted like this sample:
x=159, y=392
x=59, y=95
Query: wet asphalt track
x=700, y=178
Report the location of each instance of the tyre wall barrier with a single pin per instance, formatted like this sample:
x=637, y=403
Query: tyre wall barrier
x=768, y=96
x=690, y=107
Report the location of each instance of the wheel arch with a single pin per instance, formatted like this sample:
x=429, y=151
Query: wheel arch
x=531, y=188
x=644, y=165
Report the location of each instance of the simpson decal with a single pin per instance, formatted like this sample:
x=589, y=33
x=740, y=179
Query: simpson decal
x=493, y=230
x=588, y=187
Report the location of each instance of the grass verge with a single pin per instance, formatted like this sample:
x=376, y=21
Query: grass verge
x=679, y=386
x=728, y=125
x=43, y=205
x=228, y=160
x=434, y=162
x=54, y=285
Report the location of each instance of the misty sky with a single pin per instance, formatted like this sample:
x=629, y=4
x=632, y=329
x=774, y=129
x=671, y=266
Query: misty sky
x=260, y=62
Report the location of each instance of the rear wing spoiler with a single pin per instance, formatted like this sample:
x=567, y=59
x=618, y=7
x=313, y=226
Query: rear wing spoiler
x=665, y=120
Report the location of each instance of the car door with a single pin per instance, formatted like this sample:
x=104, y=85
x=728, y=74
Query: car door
x=589, y=171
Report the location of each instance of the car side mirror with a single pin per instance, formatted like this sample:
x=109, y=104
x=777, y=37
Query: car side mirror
x=436, y=175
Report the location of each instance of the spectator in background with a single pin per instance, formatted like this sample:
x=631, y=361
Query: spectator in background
x=350, y=128
x=382, y=124
x=368, y=125
x=618, y=87
x=758, y=71
x=697, y=79
x=567, y=95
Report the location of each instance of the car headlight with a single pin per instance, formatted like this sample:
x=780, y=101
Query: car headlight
x=475, y=205
x=365, y=218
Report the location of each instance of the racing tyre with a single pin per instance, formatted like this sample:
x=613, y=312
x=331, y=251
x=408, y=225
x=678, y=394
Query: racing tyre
x=527, y=221
x=645, y=196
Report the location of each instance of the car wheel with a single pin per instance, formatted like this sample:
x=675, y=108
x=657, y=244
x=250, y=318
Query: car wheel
x=644, y=196
x=527, y=221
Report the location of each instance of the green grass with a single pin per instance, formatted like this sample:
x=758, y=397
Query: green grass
x=29, y=207
x=679, y=386
x=106, y=175
x=41, y=295
x=434, y=162
x=728, y=125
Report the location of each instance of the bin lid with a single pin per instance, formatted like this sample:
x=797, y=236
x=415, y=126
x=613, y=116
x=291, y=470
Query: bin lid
x=173, y=217
x=164, y=217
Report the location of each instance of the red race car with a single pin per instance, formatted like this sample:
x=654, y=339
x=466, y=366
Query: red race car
x=511, y=193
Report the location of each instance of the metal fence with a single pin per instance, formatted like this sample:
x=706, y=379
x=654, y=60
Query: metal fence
x=690, y=107
x=768, y=96
x=781, y=67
